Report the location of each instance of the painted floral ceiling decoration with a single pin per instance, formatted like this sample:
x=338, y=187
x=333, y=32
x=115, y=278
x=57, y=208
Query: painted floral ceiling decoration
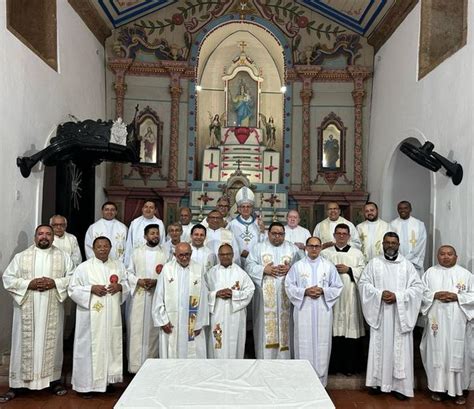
x=359, y=16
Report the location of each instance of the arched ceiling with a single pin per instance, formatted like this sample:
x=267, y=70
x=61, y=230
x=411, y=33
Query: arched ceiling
x=360, y=16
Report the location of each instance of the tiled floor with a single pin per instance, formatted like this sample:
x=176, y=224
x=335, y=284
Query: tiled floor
x=343, y=399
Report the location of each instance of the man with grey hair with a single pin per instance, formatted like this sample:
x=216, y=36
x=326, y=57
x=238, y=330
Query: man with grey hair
x=65, y=241
x=295, y=233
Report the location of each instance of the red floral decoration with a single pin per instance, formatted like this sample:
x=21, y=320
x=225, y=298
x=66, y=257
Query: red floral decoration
x=114, y=279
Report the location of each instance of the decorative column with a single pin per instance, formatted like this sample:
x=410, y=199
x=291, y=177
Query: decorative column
x=175, y=91
x=307, y=74
x=359, y=75
x=119, y=68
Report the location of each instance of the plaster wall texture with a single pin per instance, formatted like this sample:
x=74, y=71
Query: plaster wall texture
x=35, y=99
x=438, y=108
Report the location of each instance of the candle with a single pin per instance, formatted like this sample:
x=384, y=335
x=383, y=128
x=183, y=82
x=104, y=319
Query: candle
x=275, y=189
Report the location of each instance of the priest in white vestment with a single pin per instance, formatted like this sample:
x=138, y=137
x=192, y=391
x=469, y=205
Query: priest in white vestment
x=185, y=219
x=391, y=292
x=180, y=307
x=230, y=291
x=325, y=229
x=294, y=233
x=145, y=265
x=313, y=286
x=174, y=238
x=201, y=254
x=267, y=265
x=108, y=226
x=448, y=302
x=98, y=286
x=371, y=231
x=37, y=279
x=137, y=226
x=65, y=241
x=412, y=233
x=216, y=235
x=247, y=229
x=348, y=323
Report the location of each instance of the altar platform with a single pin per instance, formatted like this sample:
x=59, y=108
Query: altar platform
x=213, y=383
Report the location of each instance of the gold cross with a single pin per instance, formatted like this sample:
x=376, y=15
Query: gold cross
x=98, y=306
x=413, y=239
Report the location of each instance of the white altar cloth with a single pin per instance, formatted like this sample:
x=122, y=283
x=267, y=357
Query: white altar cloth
x=225, y=383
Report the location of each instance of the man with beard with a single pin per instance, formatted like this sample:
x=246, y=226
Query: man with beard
x=137, y=226
x=37, y=280
x=201, y=254
x=371, y=231
x=325, y=229
x=390, y=291
x=230, y=291
x=175, y=230
x=146, y=264
x=108, y=226
x=412, y=233
x=65, y=241
x=98, y=286
x=348, y=324
x=313, y=286
x=180, y=307
x=247, y=229
x=267, y=265
x=185, y=218
x=448, y=302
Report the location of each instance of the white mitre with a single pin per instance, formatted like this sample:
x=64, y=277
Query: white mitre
x=244, y=195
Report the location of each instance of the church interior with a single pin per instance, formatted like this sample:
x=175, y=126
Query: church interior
x=306, y=102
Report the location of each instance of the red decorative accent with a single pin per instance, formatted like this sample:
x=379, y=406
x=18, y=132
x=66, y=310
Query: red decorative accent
x=242, y=134
x=114, y=279
x=257, y=176
x=257, y=158
x=211, y=165
x=158, y=268
x=224, y=174
x=205, y=198
x=257, y=149
x=271, y=168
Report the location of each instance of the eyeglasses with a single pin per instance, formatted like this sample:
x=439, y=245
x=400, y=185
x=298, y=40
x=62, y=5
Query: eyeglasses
x=183, y=255
x=277, y=233
x=58, y=225
x=313, y=246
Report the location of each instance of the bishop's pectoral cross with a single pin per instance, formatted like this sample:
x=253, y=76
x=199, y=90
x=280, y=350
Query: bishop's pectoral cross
x=413, y=240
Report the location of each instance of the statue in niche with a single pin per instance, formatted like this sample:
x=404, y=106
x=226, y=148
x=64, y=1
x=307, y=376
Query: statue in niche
x=243, y=105
x=149, y=140
x=331, y=151
x=214, y=130
x=269, y=132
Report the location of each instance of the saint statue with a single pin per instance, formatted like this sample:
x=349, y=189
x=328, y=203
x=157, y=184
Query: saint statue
x=214, y=131
x=331, y=152
x=149, y=140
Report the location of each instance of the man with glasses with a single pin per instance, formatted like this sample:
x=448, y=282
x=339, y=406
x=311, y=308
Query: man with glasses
x=325, y=229
x=180, y=307
x=223, y=205
x=267, y=265
x=313, y=287
x=230, y=291
x=65, y=241
x=348, y=323
x=391, y=292
x=217, y=235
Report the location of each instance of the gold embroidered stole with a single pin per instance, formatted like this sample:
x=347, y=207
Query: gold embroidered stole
x=172, y=305
x=27, y=265
x=276, y=317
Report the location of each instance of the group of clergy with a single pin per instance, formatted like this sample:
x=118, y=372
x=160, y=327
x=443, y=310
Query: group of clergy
x=187, y=291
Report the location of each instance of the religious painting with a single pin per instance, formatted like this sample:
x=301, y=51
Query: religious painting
x=150, y=136
x=242, y=101
x=331, y=149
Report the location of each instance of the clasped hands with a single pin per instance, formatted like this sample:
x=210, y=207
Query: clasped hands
x=313, y=292
x=225, y=293
x=388, y=297
x=342, y=268
x=445, y=296
x=101, y=290
x=41, y=284
x=146, y=283
x=279, y=270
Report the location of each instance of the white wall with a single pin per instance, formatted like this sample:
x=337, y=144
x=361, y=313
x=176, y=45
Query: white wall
x=438, y=108
x=34, y=100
